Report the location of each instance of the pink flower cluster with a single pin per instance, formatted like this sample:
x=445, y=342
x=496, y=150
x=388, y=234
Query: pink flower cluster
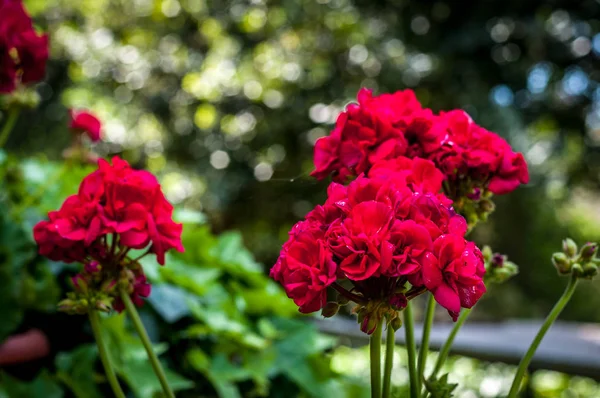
x=381, y=232
x=380, y=128
x=116, y=209
x=23, y=53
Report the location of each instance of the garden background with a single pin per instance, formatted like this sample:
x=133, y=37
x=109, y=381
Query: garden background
x=224, y=101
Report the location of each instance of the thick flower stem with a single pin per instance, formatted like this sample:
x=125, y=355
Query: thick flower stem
x=141, y=331
x=558, y=307
x=375, y=352
x=424, y=348
x=108, y=369
x=411, y=349
x=443, y=355
x=11, y=120
x=390, y=342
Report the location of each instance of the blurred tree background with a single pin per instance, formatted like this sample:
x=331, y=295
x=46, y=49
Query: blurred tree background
x=224, y=100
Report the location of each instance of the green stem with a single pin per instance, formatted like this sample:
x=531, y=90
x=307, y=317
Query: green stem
x=108, y=369
x=411, y=349
x=375, y=351
x=558, y=307
x=390, y=342
x=424, y=348
x=443, y=355
x=141, y=331
x=13, y=115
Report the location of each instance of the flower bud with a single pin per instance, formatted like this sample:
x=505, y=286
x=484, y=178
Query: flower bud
x=330, y=309
x=398, y=302
x=369, y=324
x=103, y=305
x=590, y=270
x=92, y=267
x=588, y=251
x=475, y=194
x=396, y=323
x=577, y=269
x=569, y=247
x=562, y=263
x=486, y=206
x=108, y=286
x=80, y=284
x=502, y=274
x=487, y=253
x=342, y=300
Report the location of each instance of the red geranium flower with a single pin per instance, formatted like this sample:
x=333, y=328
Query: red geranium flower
x=23, y=53
x=86, y=123
x=305, y=269
x=116, y=209
x=456, y=279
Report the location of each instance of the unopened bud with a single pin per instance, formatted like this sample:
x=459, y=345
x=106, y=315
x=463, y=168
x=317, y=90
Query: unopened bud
x=590, y=270
x=475, y=194
x=562, y=263
x=330, y=309
x=487, y=253
x=486, y=206
x=588, y=251
x=103, y=305
x=369, y=324
x=498, y=260
x=396, y=323
x=80, y=284
x=398, y=301
x=108, y=287
x=569, y=247
x=66, y=305
x=342, y=300
x=577, y=269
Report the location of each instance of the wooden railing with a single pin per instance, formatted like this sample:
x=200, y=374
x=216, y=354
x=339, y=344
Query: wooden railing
x=572, y=348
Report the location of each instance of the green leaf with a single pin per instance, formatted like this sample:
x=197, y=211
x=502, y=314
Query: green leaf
x=170, y=302
x=76, y=370
x=43, y=386
x=131, y=362
x=141, y=378
x=235, y=257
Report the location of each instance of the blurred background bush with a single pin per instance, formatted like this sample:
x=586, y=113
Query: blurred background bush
x=224, y=101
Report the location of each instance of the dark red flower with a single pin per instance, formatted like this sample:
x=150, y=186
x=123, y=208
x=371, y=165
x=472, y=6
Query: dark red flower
x=361, y=242
x=23, y=53
x=83, y=122
x=305, y=268
x=456, y=279
x=364, y=134
x=116, y=209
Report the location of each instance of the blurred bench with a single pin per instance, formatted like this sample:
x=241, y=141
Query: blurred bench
x=572, y=348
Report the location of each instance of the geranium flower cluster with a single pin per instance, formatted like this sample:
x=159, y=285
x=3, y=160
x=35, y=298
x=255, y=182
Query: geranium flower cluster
x=475, y=162
x=379, y=234
x=23, y=52
x=117, y=209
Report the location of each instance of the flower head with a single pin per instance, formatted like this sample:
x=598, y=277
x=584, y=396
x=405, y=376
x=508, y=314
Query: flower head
x=117, y=209
x=23, y=53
